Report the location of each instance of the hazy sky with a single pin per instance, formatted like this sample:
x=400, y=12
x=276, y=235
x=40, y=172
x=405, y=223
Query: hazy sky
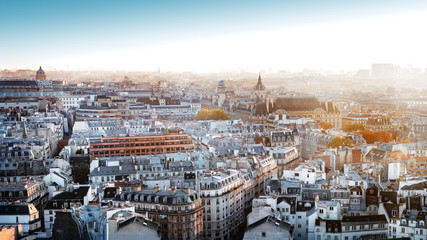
x=212, y=35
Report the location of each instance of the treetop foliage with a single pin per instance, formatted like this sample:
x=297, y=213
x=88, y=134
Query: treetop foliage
x=353, y=127
x=214, y=114
x=339, y=141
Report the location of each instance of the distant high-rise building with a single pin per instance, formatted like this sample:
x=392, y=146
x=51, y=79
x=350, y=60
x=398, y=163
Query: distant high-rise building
x=40, y=74
x=382, y=70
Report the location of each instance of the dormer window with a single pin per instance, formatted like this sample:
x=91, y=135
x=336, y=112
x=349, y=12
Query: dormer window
x=393, y=213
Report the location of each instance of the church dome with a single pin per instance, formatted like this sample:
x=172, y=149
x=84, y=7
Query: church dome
x=259, y=86
x=40, y=74
x=40, y=71
x=221, y=83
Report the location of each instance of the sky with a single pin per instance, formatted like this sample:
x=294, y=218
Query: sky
x=206, y=36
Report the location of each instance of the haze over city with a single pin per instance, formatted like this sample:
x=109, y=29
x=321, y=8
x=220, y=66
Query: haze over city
x=212, y=36
x=213, y=120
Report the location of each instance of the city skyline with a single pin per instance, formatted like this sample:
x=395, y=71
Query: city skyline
x=206, y=37
x=216, y=120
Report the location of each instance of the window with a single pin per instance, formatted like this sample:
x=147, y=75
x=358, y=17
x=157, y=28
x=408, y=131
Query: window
x=320, y=210
x=394, y=213
x=263, y=234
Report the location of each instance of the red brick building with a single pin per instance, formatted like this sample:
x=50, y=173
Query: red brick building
x=141, y=145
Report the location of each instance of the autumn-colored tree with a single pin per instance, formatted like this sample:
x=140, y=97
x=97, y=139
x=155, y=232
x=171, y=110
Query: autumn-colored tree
x=202, y=115
x=406, y=140
x=351, y=127
x=325, y=125
x=339, y=141
x=258, y=140
x=384, y=136
x=371, y=137
x=214, y=114
x=396, y=135
x=368, y=135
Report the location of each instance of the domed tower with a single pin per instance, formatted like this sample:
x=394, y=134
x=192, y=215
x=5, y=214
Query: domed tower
x=221, y=93
x=259, y=90
x=40, y=75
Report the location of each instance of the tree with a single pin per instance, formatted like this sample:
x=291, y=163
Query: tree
x=214, y=114
x=368, y=135
x=258, y=140
x=339, y=141
x=371, y=137
x=396, y=135
x=406, y=140
x=325, y=125
x=202, y=115
x=351, y=127
x=384, y=136
x=80, y=173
